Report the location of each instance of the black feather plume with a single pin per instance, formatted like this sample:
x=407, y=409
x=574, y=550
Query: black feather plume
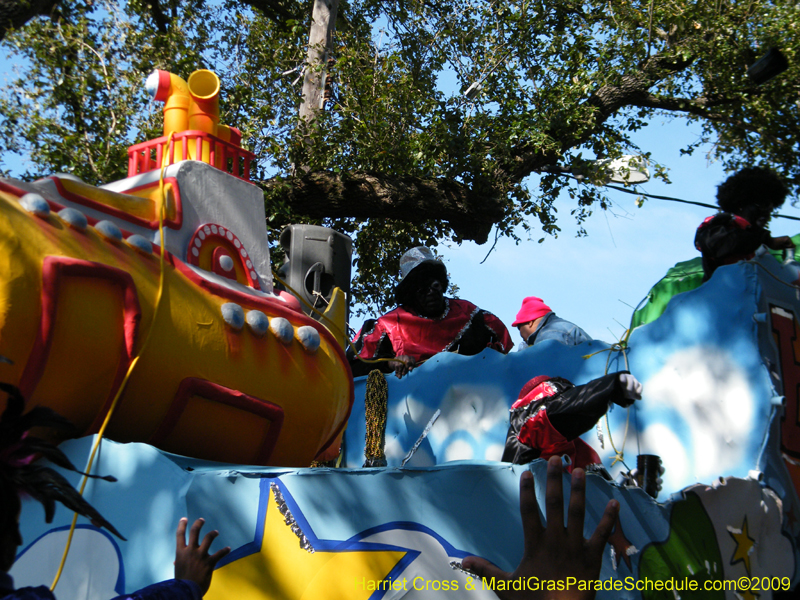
x=18, y=451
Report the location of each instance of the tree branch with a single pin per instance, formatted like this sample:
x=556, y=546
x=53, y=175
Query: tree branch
x=368, y=195
x=700, y=107
x=634, y=86
x=694, y=106
x=15, y=13
x=601, y=105
x=160, y=19
x=276, y=10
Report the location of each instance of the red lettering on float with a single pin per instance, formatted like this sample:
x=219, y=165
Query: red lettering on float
x=784, y=329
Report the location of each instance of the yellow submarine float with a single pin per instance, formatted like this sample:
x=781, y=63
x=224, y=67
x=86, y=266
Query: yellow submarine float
x=152, y=298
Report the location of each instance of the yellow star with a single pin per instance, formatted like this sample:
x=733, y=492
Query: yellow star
x=744, y=543
x=281, y=569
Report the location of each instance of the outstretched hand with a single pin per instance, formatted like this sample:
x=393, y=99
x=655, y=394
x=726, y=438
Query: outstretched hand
x=631, y=390
x=402, y=365
x=192, y=560
x=554, y=552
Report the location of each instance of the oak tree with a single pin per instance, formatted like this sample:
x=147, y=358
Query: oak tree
x=443, y=120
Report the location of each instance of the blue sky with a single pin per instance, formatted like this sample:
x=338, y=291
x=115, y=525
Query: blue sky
x=595, y=280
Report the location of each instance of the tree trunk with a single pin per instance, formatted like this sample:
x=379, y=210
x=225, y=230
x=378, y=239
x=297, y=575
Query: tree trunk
x=323, y=22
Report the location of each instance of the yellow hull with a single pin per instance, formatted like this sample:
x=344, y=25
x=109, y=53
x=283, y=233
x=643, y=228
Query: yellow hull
x=76, y=307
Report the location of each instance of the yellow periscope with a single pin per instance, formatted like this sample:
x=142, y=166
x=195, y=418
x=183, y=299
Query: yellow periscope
x=223, y=368
x=191, y=105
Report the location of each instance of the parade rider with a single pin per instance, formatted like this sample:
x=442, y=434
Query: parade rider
x=747, y=200
x=536, y=323
x=427, y=322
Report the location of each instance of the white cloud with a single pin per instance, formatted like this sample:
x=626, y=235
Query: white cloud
x=707, y=393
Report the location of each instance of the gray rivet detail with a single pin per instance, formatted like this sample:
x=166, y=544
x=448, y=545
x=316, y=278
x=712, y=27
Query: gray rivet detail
x=282, y=329
x=226, y=262
x=109, y=231
x=233, y=315
x=258, y=322
x=73, y=218
x=137, y=242
x=35, y=204
x=308, y=338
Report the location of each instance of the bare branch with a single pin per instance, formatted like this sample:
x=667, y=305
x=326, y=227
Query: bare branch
x=15, y=13
x=277, y=10
x=161, y=20
x=367, y=195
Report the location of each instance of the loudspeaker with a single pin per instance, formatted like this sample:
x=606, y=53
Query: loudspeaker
x=317, y=260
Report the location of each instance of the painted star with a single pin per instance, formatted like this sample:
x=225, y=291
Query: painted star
x=275, y=566
x=744, y=543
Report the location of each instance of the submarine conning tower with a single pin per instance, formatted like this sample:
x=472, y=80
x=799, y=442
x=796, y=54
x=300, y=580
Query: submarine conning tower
x=192, y=130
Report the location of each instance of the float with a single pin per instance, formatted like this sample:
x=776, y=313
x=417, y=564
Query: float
x=226, y=369
x=228, y=361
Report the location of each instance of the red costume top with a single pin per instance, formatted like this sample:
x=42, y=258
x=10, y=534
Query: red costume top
x=462, y=328
x=551, y=413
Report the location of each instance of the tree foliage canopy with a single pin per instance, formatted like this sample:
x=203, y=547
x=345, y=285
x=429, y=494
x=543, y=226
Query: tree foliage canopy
x=401, y=156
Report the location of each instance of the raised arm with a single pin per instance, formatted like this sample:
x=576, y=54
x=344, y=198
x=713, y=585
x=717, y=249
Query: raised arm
x=553, y=551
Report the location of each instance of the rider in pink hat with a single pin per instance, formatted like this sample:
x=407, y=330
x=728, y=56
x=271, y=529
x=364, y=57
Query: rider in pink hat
x=537, y=322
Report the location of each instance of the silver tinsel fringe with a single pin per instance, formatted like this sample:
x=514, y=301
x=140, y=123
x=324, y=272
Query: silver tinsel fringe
x=288, y=518
x=422, y=436
x=456, y=566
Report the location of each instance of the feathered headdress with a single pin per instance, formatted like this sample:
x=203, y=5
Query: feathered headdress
x=19, y=450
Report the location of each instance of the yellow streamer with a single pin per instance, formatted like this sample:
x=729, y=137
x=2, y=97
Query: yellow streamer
x=118, y=395
x=620, y=346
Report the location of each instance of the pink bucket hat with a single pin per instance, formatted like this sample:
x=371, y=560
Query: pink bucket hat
x=532, y=309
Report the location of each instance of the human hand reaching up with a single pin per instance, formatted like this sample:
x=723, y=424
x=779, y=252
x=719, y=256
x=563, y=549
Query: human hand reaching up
x=554, y=552
x=192, y=561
